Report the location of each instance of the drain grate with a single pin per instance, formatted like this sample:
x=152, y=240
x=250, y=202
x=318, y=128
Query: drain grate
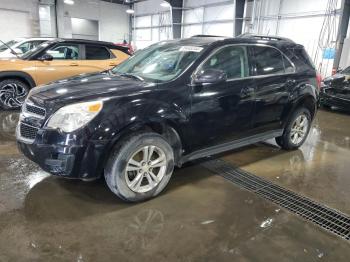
x=327, y=218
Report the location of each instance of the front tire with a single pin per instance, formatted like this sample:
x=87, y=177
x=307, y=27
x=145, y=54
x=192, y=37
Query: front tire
x=296, y=131
x=13, y=92
x=140, y=167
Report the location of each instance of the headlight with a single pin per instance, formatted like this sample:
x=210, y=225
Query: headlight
x=72, y=117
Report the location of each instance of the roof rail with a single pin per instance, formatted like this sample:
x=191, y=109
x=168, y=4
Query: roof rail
x=265, y=37
x=208, y=36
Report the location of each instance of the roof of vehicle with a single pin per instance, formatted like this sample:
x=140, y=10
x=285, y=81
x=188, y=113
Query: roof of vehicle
x=93, y=42
x=84, y=41
x=21, y=39
x=110, y=45
x=205, y=40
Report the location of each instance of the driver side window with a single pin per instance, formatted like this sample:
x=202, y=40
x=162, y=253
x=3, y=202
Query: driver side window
x=64, y=52
x=231, y=59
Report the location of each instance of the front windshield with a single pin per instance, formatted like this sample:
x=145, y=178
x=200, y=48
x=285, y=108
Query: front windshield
x=35, y=50
x=3, y=47
x=161, y=62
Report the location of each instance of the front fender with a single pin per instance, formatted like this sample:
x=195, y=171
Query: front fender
x=134, y=114
x=123, y=119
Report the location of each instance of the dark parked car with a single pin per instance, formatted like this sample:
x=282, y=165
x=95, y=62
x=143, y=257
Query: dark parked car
x=173, y=102
x=335, y=91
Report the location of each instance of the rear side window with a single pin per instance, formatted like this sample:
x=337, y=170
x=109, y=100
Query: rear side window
x=231, y=59
x=268, y=61
x=96, y=53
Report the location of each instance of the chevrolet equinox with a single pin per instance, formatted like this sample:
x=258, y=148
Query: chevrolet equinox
x=173, y=102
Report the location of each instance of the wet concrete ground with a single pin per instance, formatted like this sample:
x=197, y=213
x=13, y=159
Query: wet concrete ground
x=200, y=217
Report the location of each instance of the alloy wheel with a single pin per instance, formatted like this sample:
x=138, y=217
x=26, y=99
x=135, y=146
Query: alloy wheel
x=145, y=169
x=299, y=129
x=13, y=95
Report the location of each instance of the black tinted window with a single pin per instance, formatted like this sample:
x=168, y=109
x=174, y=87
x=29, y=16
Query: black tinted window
x=97, y=53
x=268, y=61
x=231, y=59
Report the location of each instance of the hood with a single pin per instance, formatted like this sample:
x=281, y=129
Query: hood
x=336, y=79
x=88, y=86
x=12, y=63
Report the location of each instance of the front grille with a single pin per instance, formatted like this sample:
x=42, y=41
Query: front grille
x=327, y=218
x=31, y=108
x=27, y=132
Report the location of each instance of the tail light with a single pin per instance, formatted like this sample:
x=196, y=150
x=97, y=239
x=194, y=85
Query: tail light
x=318, y=80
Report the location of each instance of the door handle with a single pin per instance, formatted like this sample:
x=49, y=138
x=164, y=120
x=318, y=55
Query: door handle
x=246, y=92
x=113, y=64
x=73, y=64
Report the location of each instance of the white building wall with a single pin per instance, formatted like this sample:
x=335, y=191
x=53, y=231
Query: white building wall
x=112, y=18
x=151, y=23
x=19, y=18
x=298, y=20
x=149, y=7
x=208, y=17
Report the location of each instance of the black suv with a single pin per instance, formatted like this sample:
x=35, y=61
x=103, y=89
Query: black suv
x=173, y=102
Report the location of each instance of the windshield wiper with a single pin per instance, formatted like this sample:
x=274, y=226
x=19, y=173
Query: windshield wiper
x=133, y=76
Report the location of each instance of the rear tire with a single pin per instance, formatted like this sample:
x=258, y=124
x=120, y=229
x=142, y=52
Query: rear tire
x=296, y=131
x=140, y=167
x=13, y=92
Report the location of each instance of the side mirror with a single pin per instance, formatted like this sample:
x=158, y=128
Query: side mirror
x=210, y=76
x=46, y=57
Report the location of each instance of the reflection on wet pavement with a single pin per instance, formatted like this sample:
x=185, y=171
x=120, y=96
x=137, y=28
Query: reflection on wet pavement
x=200, y=217
x=319, y=170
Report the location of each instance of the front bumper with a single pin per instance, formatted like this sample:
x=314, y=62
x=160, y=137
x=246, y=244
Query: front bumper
x=74, y=159
x=333, y=100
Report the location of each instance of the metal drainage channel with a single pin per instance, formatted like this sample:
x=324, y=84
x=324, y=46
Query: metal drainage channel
x=329, y=219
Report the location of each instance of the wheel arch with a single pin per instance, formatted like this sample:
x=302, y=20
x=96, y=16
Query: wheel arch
x=166, y=129
x=307, y=101
x=22, y=76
